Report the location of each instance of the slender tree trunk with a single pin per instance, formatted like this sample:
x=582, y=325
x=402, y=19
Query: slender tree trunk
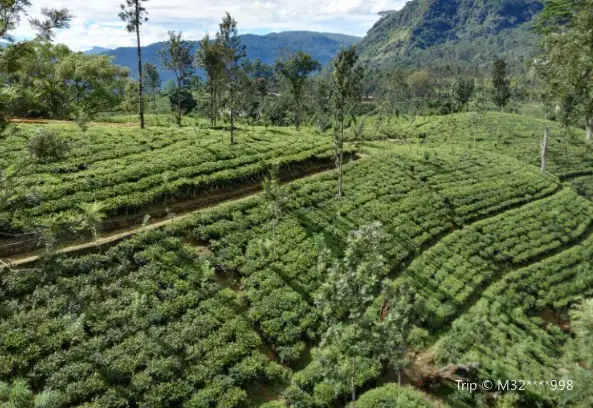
x=399, y=384
x=178, y=115
x=232, y=115
x=341, y=171
x=298, y=114
x=544, y=150
x=140, y=80
x=341, y=155
x=353, y=381
x=589, y=131
x=232, y=126
x=212, y=102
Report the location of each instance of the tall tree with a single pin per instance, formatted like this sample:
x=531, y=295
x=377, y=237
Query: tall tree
x=233, y=54
x=93, y=83
x=13, y=54
x=177, y=57
x=41, y=92
x=152, y=83
x=347, y=77
x=296, y=69
x=134, y=14
x=419, y=83
x=362, y=328
x=566, y=66
x=463, y=91
x=348, y=292
x=210, y=59
x=392, y=327
x=259, y=79
x=501, y=84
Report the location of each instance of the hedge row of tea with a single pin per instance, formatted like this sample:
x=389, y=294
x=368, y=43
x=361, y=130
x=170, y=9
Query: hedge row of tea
x=584, y=185
x=513, y=135
x=145, y=324
x=126, y=170
x=521, y=318
x=454, y=271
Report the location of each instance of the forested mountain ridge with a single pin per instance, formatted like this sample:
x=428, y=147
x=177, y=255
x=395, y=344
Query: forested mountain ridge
x=426, y=31
x=322, y=46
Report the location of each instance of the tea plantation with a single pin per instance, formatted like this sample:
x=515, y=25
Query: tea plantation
x=220, y=309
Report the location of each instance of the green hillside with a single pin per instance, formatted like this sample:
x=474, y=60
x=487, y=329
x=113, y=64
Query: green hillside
x=388, y=233
x=427, y=32
x=218, y=308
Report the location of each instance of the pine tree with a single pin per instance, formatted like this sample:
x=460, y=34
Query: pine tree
x=134, y=14
x=346, y=86
x=233, y=54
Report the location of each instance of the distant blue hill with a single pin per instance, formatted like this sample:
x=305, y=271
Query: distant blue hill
x=97, y=50
x=322, y=46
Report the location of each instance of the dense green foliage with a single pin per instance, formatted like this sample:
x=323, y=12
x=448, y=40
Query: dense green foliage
x=276, y=283
x=584, y=185
x=389, y=396
x=513, y=135
x=449, y=275
x=54, y=82
x=127, y=170
x=520, y=317
x=148, y=326
x=464, y=32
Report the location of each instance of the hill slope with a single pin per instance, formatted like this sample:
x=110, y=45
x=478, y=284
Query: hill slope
x=219, y=307
x=428, y=31
x=322, y=46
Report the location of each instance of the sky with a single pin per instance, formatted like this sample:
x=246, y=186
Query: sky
x=96, y=22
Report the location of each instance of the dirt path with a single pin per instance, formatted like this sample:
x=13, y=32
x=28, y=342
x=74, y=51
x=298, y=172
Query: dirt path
x=114, y=237
x=69, y=122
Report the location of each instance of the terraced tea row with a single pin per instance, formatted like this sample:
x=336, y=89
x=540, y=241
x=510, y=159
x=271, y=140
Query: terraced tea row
x=279, y=267
x=81, y=315
x=144, y=323
x=449, y=275
x=518, y=318
x=513, y=135
x=127, y=170
x=584, y=185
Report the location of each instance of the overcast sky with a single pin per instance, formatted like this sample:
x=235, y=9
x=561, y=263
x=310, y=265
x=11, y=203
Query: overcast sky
x=96, y=22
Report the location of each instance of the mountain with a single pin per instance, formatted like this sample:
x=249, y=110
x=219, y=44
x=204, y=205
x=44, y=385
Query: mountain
x=323, y=47
x=428, y=32
x=97, y=50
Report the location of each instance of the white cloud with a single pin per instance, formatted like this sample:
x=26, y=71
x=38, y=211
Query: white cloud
x=96, y=22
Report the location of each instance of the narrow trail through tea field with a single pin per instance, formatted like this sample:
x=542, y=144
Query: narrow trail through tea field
x=69, y=122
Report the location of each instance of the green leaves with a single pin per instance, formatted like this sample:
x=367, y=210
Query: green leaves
x=134, y=14
x=296, y=70
x=567, y=66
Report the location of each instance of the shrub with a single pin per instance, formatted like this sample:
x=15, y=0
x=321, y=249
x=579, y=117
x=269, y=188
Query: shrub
x=47, y=146
x=386, y=397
